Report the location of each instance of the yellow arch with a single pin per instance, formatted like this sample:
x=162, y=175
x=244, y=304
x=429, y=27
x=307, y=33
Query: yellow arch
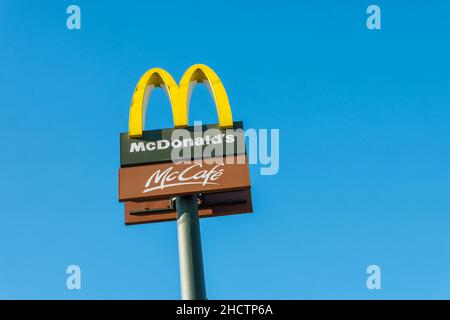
x=200, y=73
x=153, y=78
x=179, y=96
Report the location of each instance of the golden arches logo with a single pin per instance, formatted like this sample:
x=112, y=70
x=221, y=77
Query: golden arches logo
x=179, y=96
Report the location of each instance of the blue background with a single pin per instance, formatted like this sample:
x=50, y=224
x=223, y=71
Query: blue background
x=364, y=155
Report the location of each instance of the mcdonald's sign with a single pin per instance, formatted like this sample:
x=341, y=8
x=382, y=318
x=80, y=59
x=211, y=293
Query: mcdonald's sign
x=149, y=176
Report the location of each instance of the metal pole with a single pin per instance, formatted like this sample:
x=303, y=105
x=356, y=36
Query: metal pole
x=190, y=249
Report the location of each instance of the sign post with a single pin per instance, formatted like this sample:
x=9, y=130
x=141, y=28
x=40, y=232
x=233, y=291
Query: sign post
x=182, y=163
x=192, y=276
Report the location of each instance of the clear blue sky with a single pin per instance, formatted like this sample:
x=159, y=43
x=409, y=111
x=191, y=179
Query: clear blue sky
x=365, y=146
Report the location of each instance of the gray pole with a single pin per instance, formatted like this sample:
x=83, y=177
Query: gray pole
x=190, y=249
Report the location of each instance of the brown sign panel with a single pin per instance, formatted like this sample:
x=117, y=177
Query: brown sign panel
x=211, y=205
x=158, y=181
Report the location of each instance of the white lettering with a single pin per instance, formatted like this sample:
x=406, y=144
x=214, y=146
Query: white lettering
x=150, y=146
x=136, y=147
x=171, y=178
x=163, y=144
